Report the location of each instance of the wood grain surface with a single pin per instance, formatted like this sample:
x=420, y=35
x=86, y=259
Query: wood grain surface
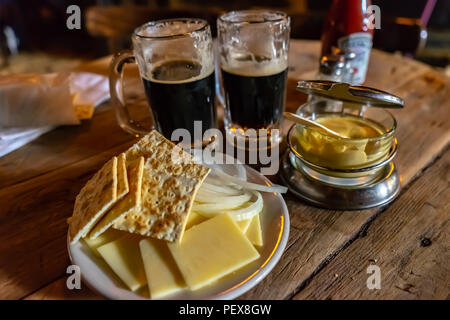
x=39, y=182
x=409, y=242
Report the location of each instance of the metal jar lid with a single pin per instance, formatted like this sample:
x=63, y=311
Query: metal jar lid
x=348, y=93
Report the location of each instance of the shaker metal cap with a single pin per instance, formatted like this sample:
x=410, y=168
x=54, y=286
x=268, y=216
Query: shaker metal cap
x=332, y=64
x=348, y=93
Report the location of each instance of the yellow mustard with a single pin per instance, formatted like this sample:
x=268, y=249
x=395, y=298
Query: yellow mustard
x=364, y=145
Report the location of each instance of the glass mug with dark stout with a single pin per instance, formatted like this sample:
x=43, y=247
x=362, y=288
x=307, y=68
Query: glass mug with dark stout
x=176, y=63
x=253, y=59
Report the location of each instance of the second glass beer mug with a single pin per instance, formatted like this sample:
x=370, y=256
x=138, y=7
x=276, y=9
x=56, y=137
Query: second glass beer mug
x=253, y=58
x=176, y=63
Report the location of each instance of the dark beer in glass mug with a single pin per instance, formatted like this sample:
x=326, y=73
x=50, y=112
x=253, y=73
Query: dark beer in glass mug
x=176, y=64
x=253, y=56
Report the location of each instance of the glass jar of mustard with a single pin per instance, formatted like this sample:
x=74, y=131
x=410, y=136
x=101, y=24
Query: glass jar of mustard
x=358, y=114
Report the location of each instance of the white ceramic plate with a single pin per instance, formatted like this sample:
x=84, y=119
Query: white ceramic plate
x=275, y=231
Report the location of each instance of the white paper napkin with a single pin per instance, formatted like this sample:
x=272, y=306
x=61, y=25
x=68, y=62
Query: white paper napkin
x=31, y=105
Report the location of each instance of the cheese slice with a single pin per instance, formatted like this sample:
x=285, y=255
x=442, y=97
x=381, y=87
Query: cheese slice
x=106, y=237
x=254, y=233
x=193, y=219
x=211, y=250
x=163, y=276
x=124, y=258
x=244, y=224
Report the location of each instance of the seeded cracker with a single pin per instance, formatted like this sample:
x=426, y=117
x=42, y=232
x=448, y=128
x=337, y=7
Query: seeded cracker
x=127, y=204
x=94, y=199
x=156, y=149
x=168, y=189
x=122, y=179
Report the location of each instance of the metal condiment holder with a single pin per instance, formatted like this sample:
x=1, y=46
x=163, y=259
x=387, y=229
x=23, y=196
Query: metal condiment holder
x=380, y=189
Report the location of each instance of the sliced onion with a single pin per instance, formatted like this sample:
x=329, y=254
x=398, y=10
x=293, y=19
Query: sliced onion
x=220, y=189
x=239, y=214
x=250, y=211
x=221, y=203
x=205, y=195
x=215, y=180
x=228, y=159
x=250, y=185
x=208, y=196
x=242, y=173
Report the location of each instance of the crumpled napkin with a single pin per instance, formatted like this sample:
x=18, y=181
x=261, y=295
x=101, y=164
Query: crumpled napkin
x=31, y=104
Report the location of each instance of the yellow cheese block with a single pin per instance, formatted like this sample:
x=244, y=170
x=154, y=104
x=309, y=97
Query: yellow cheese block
x=193, y=219
x=124, y=258
x=163, y=276
x=211, y=250
x=254, y=233
x=244, y=224
x=106, y=237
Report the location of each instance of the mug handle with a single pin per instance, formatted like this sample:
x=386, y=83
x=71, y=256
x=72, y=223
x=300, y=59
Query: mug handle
x=116, y=92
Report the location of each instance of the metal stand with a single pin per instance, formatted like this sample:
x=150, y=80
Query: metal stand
x=379, y=192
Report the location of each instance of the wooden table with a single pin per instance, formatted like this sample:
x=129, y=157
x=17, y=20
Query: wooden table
x=328, y=252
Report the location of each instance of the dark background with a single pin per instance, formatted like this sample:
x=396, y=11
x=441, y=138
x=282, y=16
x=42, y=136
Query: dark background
x=40, y=25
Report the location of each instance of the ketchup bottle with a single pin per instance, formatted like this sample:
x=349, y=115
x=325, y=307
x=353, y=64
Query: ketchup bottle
x=347, y=28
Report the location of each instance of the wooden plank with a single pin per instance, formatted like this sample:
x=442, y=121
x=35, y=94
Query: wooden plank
x=386, y=71
x=323, y=233
x=60, y=147
x=57, y=290
x=409, y=242
x=32, y=218
x=423, y=132
x=68, y=144
x=33, y=225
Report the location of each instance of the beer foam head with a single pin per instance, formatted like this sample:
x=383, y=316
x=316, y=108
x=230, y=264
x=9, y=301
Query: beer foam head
x=253, y=42
x=177, y=71
x=170, y=28
x=159, y=45
x=254, y=67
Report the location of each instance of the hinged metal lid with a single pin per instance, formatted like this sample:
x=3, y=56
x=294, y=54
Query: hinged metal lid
x=348, y=93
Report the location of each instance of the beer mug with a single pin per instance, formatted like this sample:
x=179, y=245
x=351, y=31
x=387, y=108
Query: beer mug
x=176, y=63
x=253, y=61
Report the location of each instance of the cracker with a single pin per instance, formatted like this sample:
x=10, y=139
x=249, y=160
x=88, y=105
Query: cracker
x=94, y=199
x=129, y=203
x=84, y=111
x=169, y=187
x=166, y=203
x=166, y=157
x=122, y=179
